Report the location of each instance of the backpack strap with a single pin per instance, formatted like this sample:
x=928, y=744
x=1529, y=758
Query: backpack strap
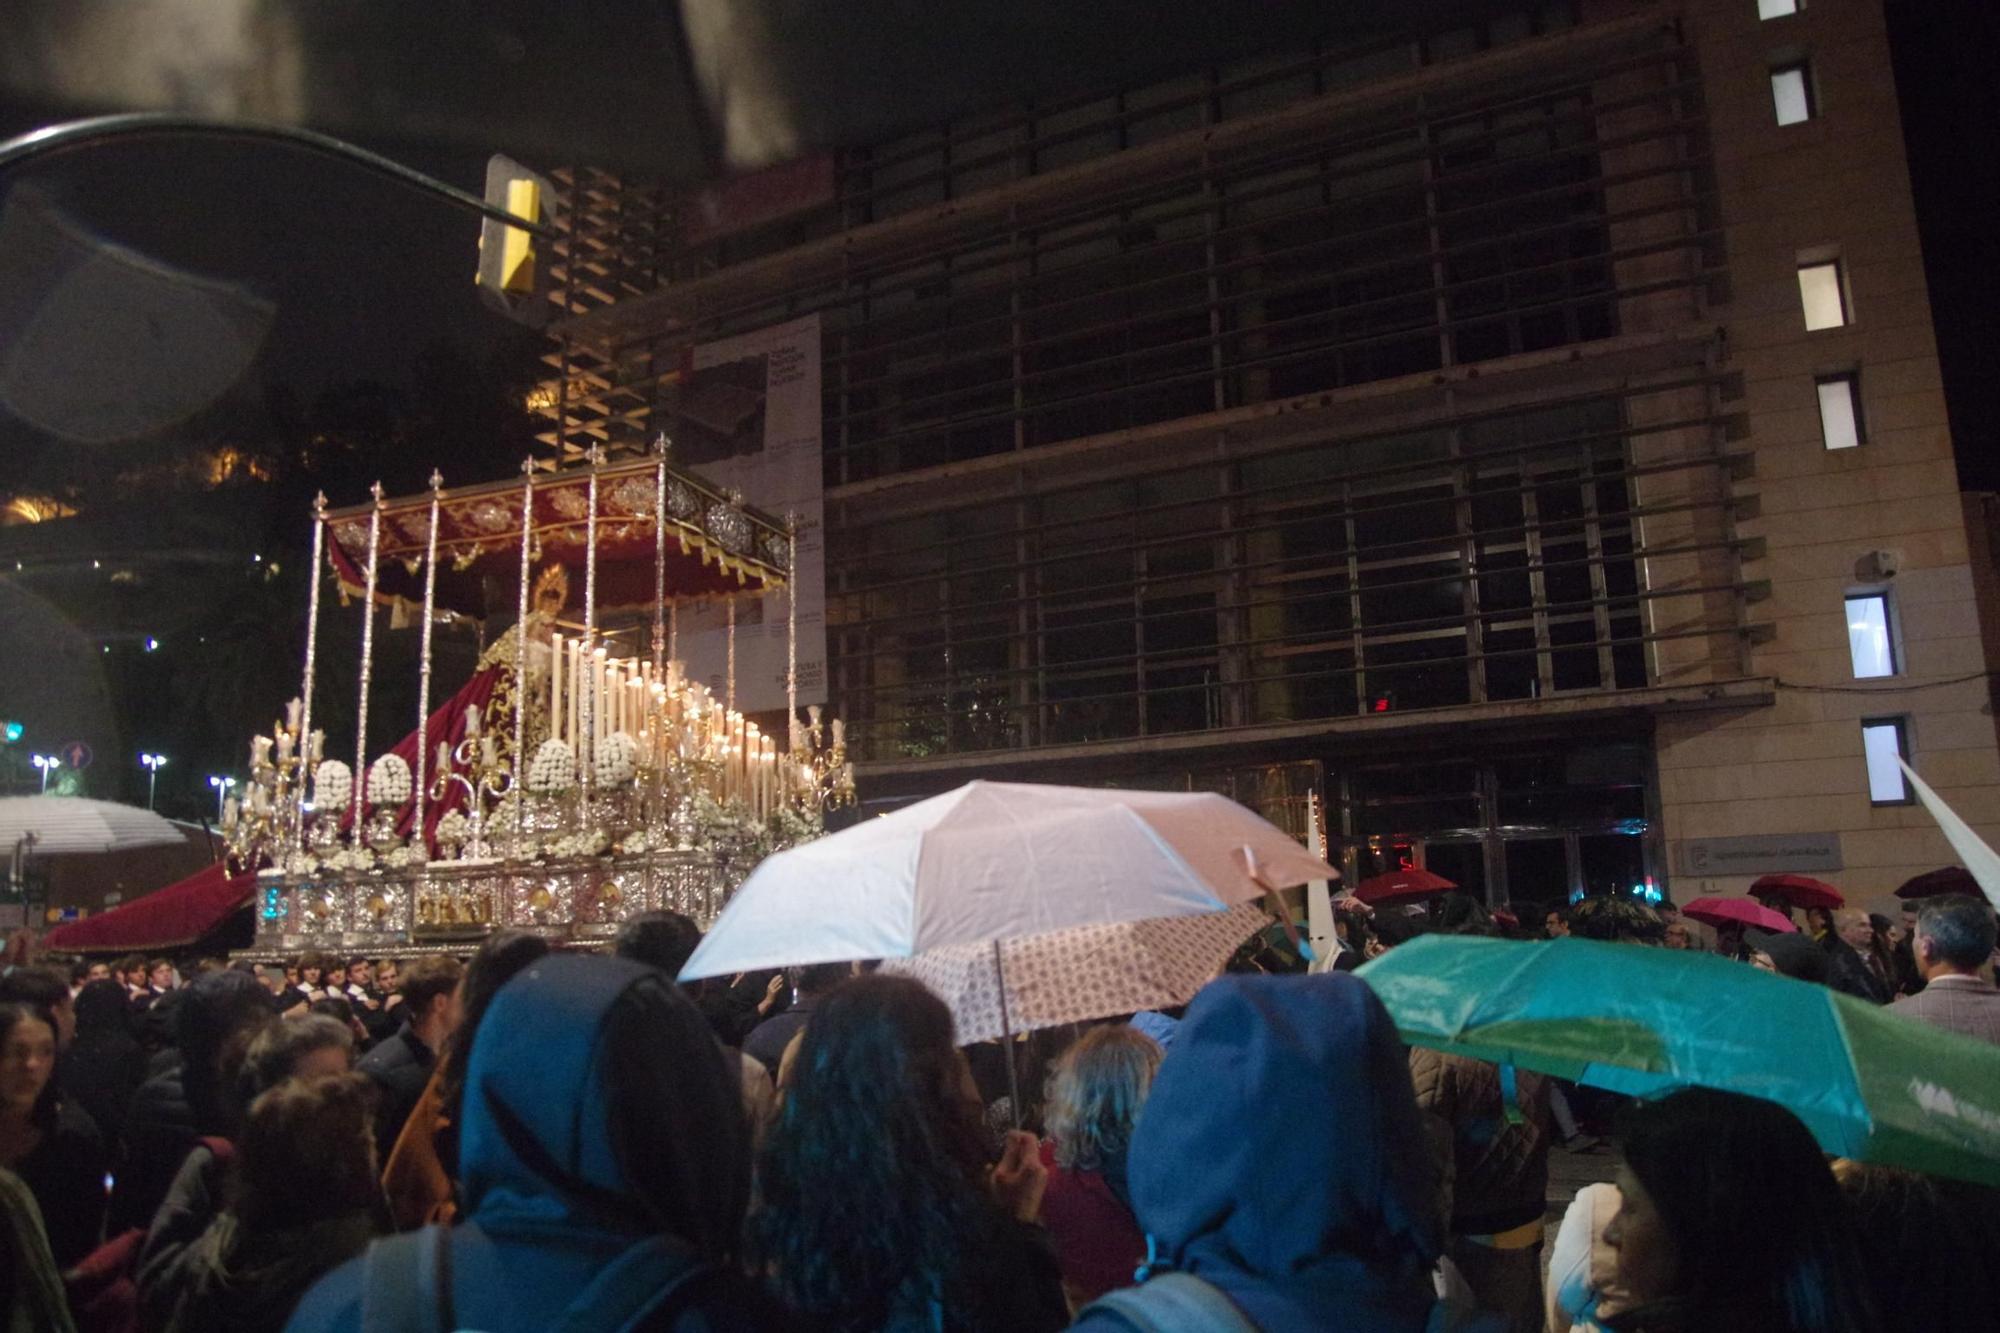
x=406, y=1283
x=639, y=1288
x=1173, y=1303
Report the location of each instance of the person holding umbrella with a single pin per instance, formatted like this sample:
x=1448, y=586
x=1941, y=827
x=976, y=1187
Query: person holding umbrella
x=878, y=1207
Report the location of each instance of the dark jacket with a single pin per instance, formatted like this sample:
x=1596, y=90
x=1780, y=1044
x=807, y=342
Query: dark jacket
x=1847, y=971
x=159, y=1133
x=65, y=1173
x=191, y=1206
x=1281, y=1158
x=400, y=1067
x=105, y=1065
x=601, y=1126
x=767, y=1041
x=236, y=1280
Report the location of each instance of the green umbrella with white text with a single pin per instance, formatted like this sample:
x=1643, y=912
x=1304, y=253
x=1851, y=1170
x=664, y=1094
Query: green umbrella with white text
x=1869, y=1083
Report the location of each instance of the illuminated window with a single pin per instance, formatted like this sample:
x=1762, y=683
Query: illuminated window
x=1870, y=644
x=1823, y=294
x=1840, y=410
x=1791, y=94
x=1884, y=740
x=1776, y=9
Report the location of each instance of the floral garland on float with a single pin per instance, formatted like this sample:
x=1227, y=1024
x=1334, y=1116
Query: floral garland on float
x=641, y=789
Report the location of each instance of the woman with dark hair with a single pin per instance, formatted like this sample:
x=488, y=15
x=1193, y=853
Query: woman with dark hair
x=606, y=1171
x=1731, y=1220
x=302, y=1203
x=48, y=1142
x=282, y=1049
x=1931, y=1244
x=876, y=1207
x=419, y=1176
x=1094, y=1096
x=105, y=1065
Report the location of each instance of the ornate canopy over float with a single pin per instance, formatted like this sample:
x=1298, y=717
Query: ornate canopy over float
x=572, y=782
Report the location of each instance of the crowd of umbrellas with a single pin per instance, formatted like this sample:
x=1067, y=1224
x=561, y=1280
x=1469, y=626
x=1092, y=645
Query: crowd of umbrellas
x=1028, y=907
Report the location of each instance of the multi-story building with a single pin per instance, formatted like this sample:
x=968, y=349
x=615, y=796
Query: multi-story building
x=1526, y=435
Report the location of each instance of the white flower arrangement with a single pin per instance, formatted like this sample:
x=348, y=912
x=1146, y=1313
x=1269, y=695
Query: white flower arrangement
x=453, y=829
x=411, y=854
x=333, y=785
x=351, y=858
x=617, y=760
x=389, y=781
x=553, y=769
x=589, y=842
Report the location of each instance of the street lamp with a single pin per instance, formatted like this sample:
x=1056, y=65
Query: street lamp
x=152, y=763
x=222, y=786
x=48, y=763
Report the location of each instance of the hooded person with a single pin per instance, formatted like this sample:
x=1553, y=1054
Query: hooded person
x=1335, y=1226
x=605, y=1168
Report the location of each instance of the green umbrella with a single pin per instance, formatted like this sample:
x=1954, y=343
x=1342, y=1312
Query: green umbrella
x=1870, y=1084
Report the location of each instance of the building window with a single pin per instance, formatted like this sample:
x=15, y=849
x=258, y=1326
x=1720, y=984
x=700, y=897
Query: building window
x=1840, y=410
x=1870, y=644
x=1776, y=9
x=1884, y=740
x=1791, y=93
x=1823, y=293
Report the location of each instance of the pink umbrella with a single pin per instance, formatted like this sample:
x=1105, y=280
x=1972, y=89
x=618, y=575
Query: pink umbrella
x=1737, y=912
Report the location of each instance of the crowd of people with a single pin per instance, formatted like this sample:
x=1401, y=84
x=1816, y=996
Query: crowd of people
x=540, y=1139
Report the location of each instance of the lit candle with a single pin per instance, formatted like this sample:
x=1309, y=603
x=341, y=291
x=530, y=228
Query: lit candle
x=570, y=734
x=839, y=732
x=487, y=755
x=284, y=746
x=555, y=684
x=318, y=745
x=292, y=711
x=444, y=758
x=471, y=722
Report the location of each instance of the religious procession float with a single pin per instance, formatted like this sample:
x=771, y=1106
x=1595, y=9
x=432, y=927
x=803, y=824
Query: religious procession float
x=579, y=776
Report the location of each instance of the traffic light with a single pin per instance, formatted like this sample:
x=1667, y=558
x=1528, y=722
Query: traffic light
x=11, y=731
x=512, y=278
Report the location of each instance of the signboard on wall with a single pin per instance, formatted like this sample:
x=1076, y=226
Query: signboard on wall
x=745, y=414
x=1760, y=854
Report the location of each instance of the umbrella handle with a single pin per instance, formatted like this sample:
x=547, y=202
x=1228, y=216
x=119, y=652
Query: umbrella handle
x=1007, y=1038
x=1273, y=903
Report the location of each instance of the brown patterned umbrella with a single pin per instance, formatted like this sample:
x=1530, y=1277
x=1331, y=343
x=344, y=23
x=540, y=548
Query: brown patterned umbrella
x=1070, y=976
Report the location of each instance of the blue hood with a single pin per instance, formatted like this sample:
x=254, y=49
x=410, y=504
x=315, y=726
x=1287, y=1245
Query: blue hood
x=597, y=1101
x=1281, y=1157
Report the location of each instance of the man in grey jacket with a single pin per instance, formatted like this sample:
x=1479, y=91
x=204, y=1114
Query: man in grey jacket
x=1954, y=939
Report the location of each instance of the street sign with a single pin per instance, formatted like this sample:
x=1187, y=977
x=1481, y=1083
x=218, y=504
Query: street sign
x=76, y=755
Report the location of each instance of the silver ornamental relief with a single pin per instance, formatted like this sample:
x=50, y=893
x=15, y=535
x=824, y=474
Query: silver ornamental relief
x=491, y=516
x=777, y=550
x=415, y=527
x=682, y=502
x=632, y=496
x=571, y=502
x=730, y=526
x=353, y=535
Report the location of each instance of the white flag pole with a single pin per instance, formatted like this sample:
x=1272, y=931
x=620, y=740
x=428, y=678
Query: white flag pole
x=1981, y=860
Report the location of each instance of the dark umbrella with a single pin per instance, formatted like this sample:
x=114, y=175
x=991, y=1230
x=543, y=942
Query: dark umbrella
x=1798, y=890
x=1401, y=886
x=1938, y=883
